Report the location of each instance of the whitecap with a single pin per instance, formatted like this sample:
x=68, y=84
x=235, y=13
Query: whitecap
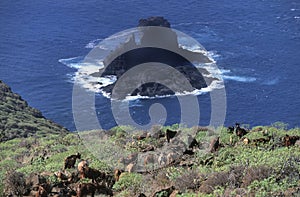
x=271, y=82
x=239, y=78
x=183, y=24
x=213, y=70
x=224, y=71
x=73, y=62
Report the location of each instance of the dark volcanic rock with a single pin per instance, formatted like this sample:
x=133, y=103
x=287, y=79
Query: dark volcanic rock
x=154, y=21
x=118, y=63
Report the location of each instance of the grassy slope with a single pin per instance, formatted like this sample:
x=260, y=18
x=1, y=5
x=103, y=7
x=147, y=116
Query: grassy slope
x=17, y=119
x=40, y=146
x=45, y=155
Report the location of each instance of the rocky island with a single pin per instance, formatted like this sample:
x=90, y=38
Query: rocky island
x=117, y=62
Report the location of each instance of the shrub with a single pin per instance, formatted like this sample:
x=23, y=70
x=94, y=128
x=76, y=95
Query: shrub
x=15, y=183
x=129, y=181
x=290, y=169
x=172, y=173
x=188, y=180
x=235, y=176
x=280, y=125
x=255, y=174
x=162, y=194
x=122, y=129
x=225, y=157
x=161, y=180
x=214, y=180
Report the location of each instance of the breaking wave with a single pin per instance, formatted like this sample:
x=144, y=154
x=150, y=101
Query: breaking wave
x=239, y=78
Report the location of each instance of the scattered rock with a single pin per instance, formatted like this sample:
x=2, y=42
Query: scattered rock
x=297, y=143
x=157, y=134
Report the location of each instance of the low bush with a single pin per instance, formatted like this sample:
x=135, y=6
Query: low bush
x=256, y=174
x=213, y=181
x=15, y=184
x=131, y=182
x=189, y=179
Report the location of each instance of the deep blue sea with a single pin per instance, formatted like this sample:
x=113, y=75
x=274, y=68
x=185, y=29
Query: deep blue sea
x=256, y=42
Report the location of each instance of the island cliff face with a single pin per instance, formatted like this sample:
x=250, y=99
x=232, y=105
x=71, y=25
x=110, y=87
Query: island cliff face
x=178, y=58
x=17, y=119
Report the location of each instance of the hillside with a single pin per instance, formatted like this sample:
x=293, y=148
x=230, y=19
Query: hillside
x=262, y=161
x=17, y=119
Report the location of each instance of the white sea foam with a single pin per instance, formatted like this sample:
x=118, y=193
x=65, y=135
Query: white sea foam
x=239, y=78
x=182, y=24
x=271, y=82
x=94, y=84
x=83, y=75
x=86, y=80
x=225, y=71
x=93, y=43
x=213, y=86
x=212, y=55
x=73, y=62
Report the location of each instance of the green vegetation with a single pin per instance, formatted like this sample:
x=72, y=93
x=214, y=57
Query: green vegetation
x=258, y=164
x=260, y=169
x=129, y=181
x=17, y=119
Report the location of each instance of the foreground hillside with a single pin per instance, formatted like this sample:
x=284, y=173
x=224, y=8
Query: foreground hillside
x=164, y=161
x=236, y=167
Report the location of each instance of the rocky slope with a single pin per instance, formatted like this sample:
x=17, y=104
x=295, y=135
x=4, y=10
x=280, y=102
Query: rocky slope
x=164, y=161
x=260, y=163
x=17, y=119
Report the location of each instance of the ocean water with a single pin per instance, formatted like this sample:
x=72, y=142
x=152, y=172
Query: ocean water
x=254, y=43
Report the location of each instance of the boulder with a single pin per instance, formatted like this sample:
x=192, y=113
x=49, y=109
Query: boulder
x=154, y=21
